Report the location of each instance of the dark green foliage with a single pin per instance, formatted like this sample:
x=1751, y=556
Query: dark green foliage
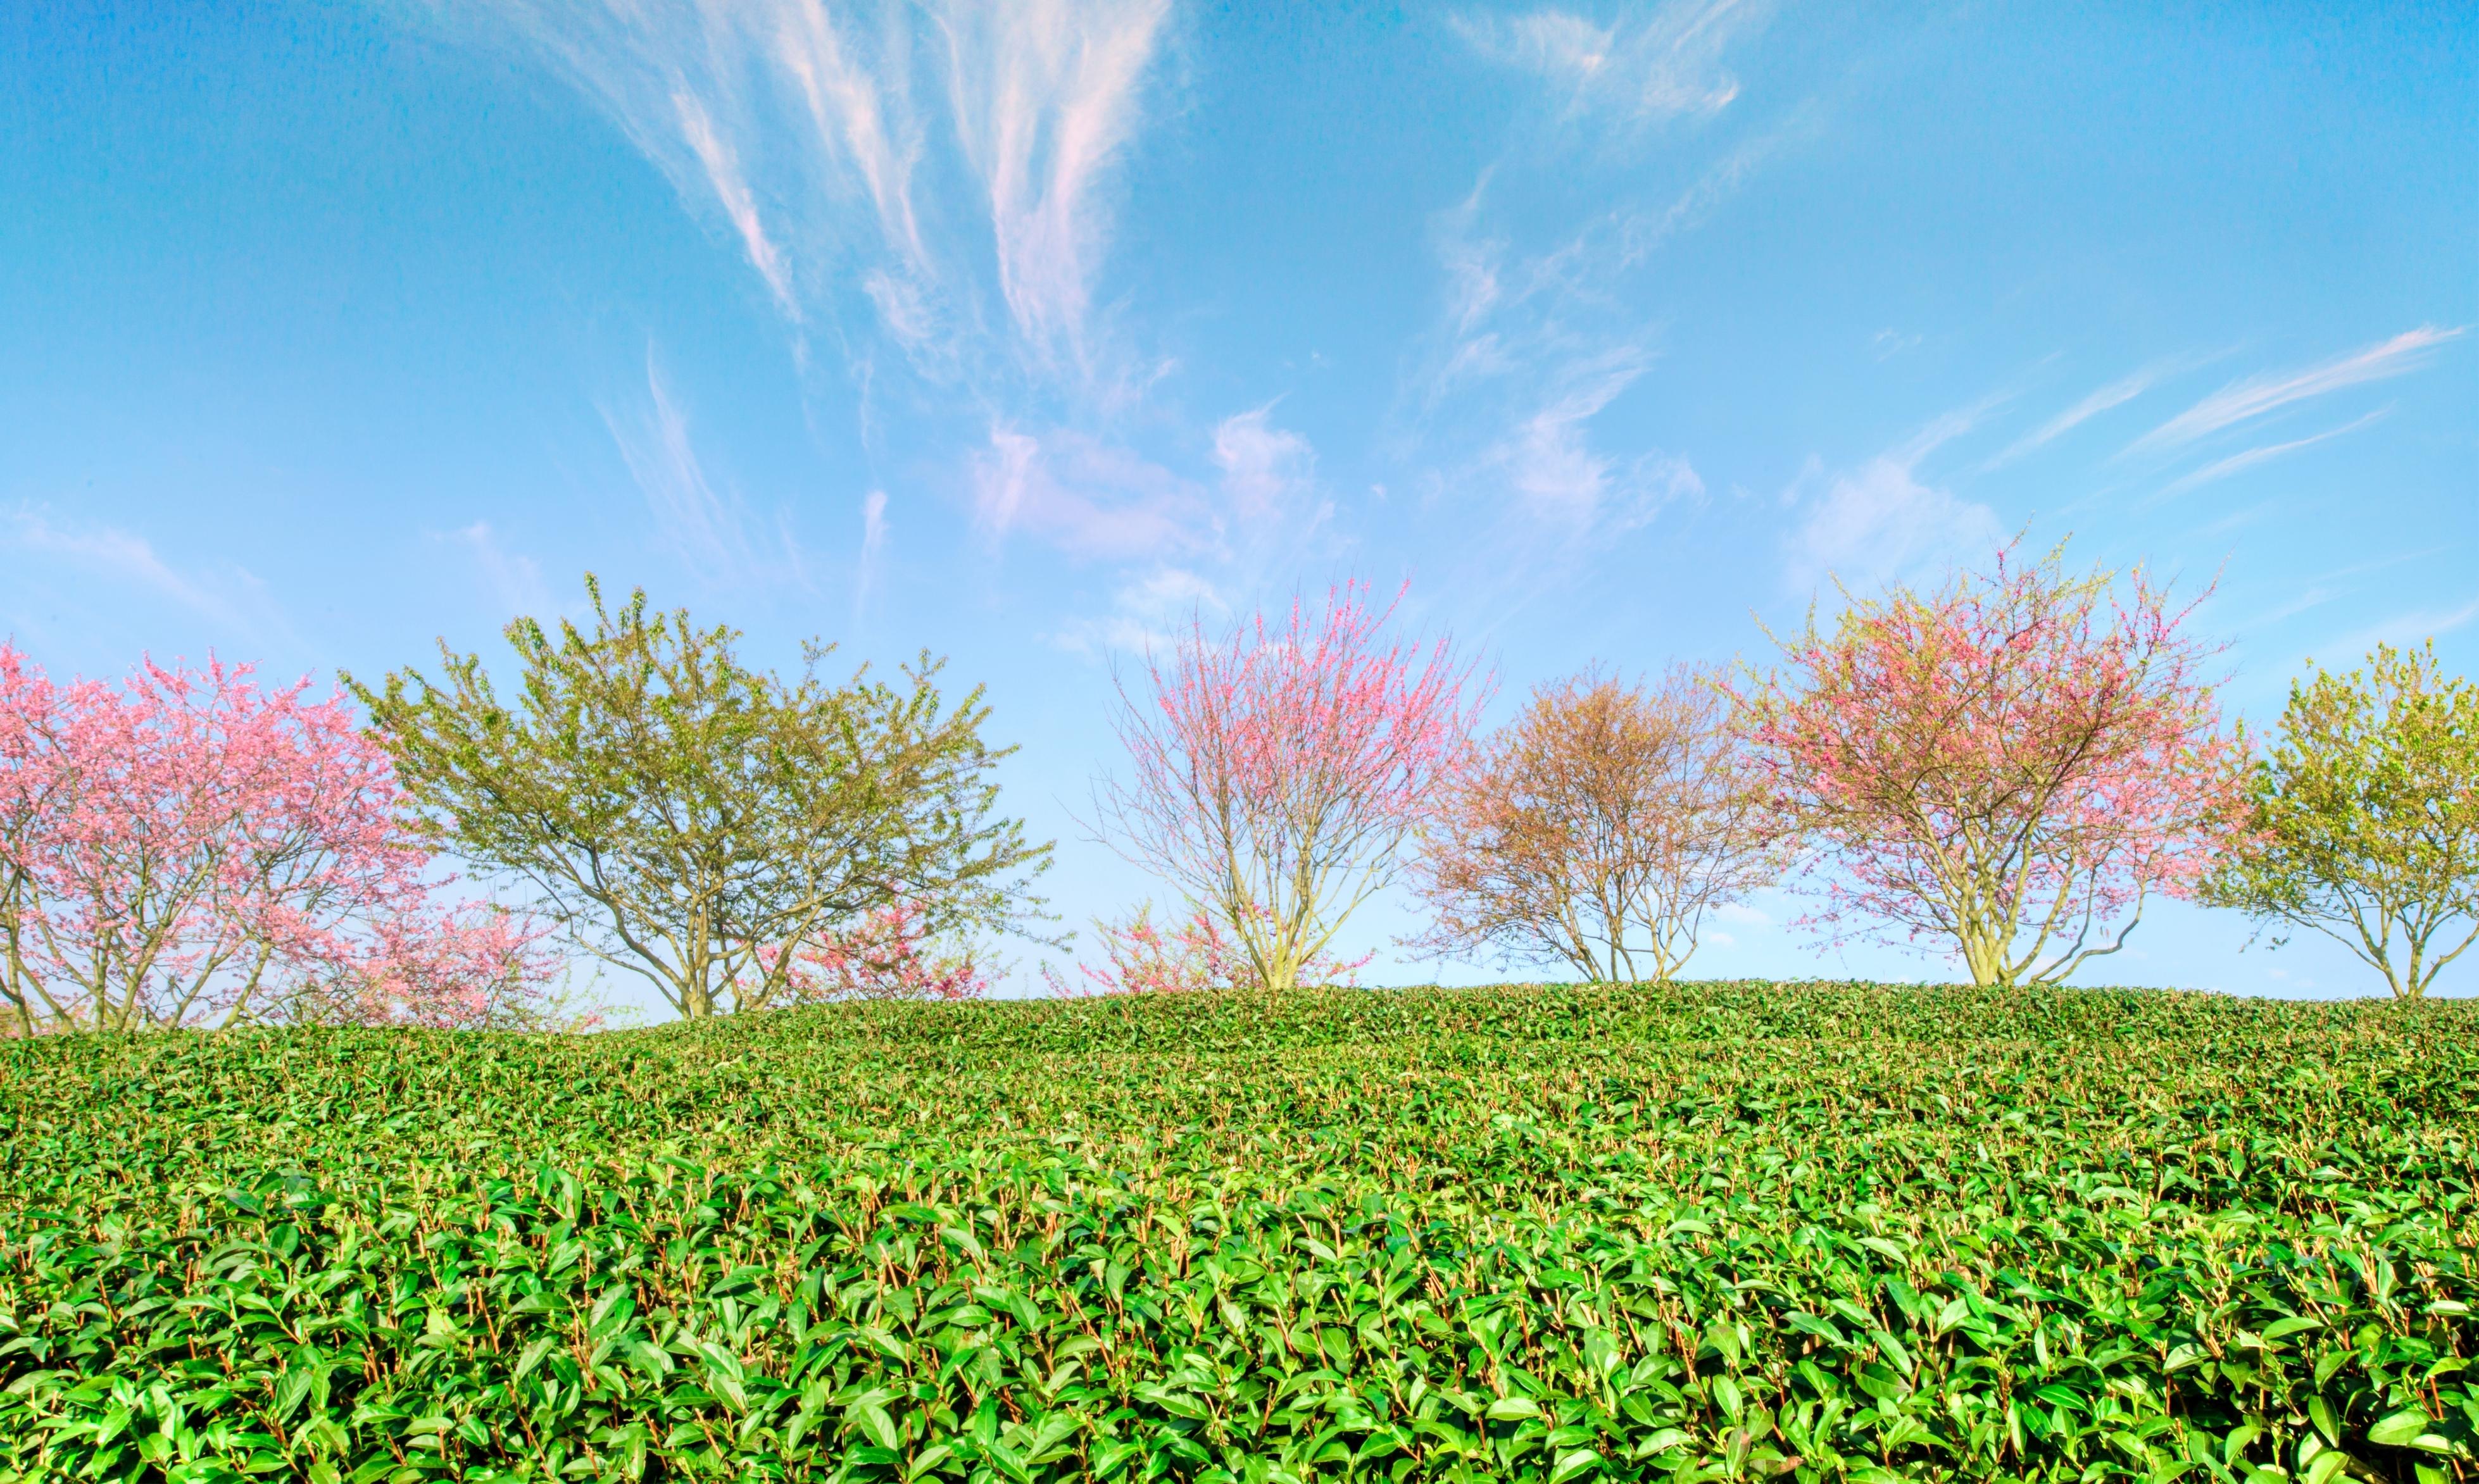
x=1541, y=1234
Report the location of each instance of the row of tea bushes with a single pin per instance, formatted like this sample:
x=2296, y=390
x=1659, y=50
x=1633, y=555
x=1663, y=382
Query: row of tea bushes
x=1741, y=1231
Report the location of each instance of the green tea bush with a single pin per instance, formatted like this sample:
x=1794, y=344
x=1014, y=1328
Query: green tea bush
x=1548, y=1234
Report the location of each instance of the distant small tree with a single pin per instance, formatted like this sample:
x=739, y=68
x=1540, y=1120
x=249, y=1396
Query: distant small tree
x=186, y=848
x=1275, y=768
x=1598, y=829
x=2013, y=763
x=702, y=823
x=2365, y=818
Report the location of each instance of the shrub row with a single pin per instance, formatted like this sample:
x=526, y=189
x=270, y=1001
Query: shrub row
x=1709, y=1232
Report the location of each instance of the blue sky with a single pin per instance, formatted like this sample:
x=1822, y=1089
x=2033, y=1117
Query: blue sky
x=1017, y=332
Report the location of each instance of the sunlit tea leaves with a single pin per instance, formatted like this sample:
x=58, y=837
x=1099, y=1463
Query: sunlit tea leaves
x=1546, y=1234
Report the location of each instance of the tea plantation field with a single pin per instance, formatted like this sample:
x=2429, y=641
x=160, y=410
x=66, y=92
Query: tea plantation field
x=1719, y=1231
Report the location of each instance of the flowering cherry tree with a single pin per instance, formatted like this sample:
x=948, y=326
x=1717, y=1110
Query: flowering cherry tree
x=189, y=848
x=2012, y=764
x=1275, y=768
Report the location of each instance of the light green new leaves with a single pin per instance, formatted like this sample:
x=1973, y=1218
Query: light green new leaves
x=2366, y=817
x=689, y=818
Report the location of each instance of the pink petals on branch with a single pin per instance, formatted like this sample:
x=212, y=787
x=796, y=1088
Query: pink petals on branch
x=1193, y=957
x=188, y=848
x=1276, y=768
x=2012, y=764
x=888, y=954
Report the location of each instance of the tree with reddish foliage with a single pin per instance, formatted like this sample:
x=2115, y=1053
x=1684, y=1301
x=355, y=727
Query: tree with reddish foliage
x=1598, y=829
x=1275, y=768
x=188, y=848
x=2013, y=763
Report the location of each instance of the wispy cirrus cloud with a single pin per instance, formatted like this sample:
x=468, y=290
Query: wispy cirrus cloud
x=1882, y=521
x=1095, y=499
x=515, y=579
x=1530, y=351
x=908, y=163
x=1549, y=461
x=2100, y=399
x=1508, y=394
x=1086, y=496
x=1045, y=96
x=2239, y=462
x=2413, y=626
x=1665, y=62
x=2254, y=397
x=1148, y=613
x=700, y=524
x=1264, y=469
x=236, y=602
x=927, y=186
x=873, y=550
x=721, y=162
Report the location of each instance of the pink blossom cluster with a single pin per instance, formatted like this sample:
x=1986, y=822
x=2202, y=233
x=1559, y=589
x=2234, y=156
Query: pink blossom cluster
x=888, y=954
x=1276, y=770
x=1322, y=726
x=2017, y=760
x=188, y=848
x=1198, y=954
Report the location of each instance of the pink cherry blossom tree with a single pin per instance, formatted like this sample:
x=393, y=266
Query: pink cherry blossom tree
x=2012, y=764
x=1275, y=768
x=188, y=848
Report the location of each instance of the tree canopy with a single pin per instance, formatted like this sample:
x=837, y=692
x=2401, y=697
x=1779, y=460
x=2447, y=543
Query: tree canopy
x=701, y=822
x=1596, y=829
x=2365, y=818
x=2011, y=764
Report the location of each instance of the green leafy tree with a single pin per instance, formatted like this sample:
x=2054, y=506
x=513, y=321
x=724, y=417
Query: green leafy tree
x=699, y=822
x=2366, y=817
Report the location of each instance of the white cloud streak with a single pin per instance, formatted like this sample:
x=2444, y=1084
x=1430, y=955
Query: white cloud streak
x=2256, y=396
x=515, y=579
x=1881, y=523
x=809, y=133
x=721, y=163
x=2239, y=462
x=1548, y=460
x=2416, y=626
x=1148, y=614
x=1093, y=499
x=1045, y=96
x=2116, y=393
x=1086, y=497
x=873, y=550
x=131, y=559
x=1264, y=468
x=698, y=521
x=1528, y=353
x=1664, y=63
